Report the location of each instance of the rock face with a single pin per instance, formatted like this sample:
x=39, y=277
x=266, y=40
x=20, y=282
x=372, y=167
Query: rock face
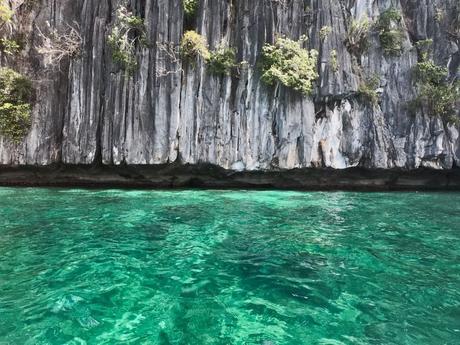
x=88, y=110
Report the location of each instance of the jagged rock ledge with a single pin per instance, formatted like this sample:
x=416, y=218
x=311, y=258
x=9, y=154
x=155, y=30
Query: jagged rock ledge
x=209, y=176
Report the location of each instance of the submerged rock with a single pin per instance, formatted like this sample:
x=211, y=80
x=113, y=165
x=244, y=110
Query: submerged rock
x=74, y=307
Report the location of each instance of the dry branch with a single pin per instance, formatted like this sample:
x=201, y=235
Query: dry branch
x=169, y=55
x=56, y=46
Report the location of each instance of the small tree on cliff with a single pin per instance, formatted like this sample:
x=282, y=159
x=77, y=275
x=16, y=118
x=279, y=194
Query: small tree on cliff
x=290, y=64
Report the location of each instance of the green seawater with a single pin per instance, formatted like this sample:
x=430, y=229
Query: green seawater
x=228, y=267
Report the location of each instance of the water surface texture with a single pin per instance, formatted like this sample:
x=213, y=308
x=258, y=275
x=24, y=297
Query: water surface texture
x=228, y=267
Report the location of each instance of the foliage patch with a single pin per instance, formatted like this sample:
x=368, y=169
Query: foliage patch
x=325, y=32
x=334, y=61
x=436, y=96
x=357, y=41
x=8, y=46
x=193, y=45
x=5, y=12
x=15, y=96
x=190, y=7
x=367, y=90
x=390, y=31
x=288, y=63
x=222, y=60
x=126, y=34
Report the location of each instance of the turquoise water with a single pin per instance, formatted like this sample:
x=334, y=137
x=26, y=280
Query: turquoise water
x=228, y=267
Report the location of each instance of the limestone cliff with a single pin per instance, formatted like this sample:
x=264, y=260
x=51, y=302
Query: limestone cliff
x=88, y=110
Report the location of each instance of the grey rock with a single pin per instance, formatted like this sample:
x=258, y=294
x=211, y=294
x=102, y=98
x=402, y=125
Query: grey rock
x=89, y=111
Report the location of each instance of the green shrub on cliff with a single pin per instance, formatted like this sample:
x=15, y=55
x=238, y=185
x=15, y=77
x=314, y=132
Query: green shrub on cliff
x=288, y=63
x=193, y=45
x=424, y=47
x=428, y=72
x=5, y=12
x=391, y=33
x=333, y=60
x=15, y=96
x=357, y=40
x=325, y=32
x=367, y=90
x=190, y=7
x=222, y=60
x=126, y=34
x=436, y=96
x=9, y=47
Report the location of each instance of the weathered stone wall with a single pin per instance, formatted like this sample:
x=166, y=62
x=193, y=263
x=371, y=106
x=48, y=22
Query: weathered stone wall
x=90, y=111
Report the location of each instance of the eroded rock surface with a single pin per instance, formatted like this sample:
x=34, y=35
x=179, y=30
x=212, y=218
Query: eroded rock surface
x=90, y=111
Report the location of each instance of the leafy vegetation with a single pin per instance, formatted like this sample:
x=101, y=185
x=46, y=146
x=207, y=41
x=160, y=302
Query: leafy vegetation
x=5, y=12
x=8, y=46
x=429, y=72
x=423, y=48
x=368, y=90
x=127, y=32
x=15, y=96
x=190, y=7
x=390, y=31
x=357, y=40
x=193, y=46
x=222, y=60
x=334, y=61
x=436, y=96
x=439, y=15
x=288, y=63
x=325, y=32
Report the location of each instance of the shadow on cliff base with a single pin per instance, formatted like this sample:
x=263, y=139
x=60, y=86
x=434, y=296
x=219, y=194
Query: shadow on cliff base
x=210, y=176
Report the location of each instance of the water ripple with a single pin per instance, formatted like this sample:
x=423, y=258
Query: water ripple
x=233, y=267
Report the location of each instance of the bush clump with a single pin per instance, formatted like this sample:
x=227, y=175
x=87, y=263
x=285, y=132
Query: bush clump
x=428, y=72
x=436, y=95
x=357, y=41
x=288, y=63
x=190, y=7
x=325, y=32
x=9, y=47
x=222, y=60
x=193, y=45
x=333, y=60
x=367, y=90
x=16, y=93
x=423, y=48
x=127, y=32
x=390, y=31
x=5, y=12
